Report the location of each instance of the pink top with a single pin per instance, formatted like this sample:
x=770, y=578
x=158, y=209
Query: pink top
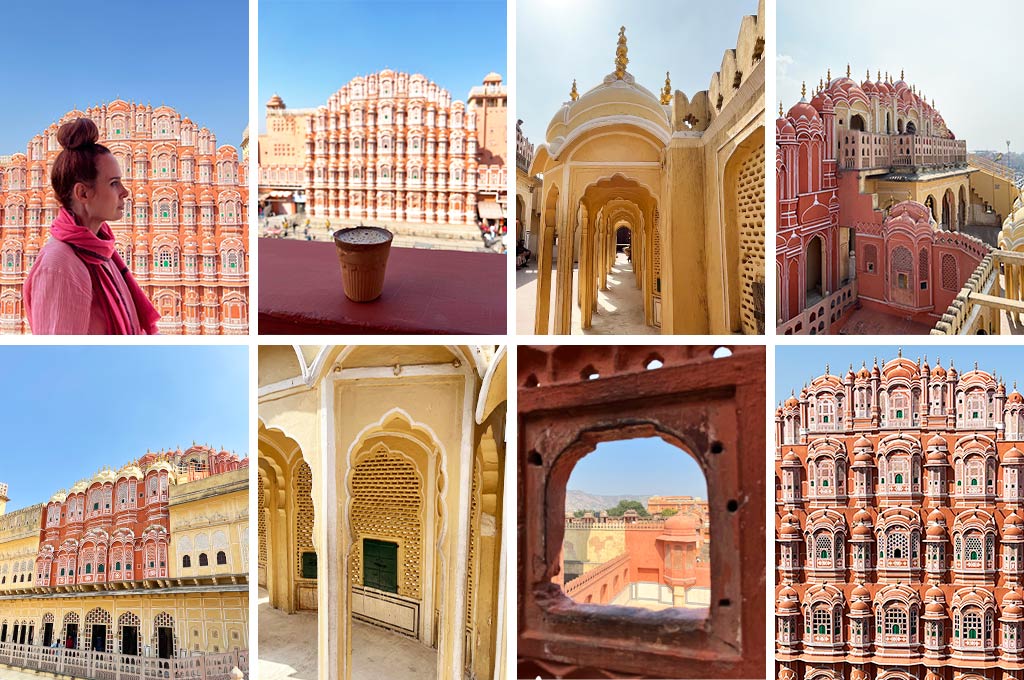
x=58, y=294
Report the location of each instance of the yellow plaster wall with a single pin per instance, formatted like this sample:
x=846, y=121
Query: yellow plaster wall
x=204, y=511
x=999, y=192
x=594, y=547
x=212, y=622
x=19, y=545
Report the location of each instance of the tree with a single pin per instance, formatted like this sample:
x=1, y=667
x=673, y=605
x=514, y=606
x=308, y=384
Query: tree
x=620, y=509
x=668, y=512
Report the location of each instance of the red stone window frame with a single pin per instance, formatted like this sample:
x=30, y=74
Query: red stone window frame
x=712, y=409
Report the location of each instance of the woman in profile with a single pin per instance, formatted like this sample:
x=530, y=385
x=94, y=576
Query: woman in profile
x=79, y=284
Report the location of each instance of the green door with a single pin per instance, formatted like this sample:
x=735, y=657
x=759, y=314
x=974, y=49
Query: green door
x=380, y=565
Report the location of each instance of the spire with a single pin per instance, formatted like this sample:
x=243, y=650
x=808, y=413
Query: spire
x=780, y=109
x=621, y=60
x=847, y=69
x=879, y=76
x=573, y=94
x=899, y=352
x=829, y=75
x=901, y=74
x=821, y=85
x=803, y=91
x=666, y=92
x=828, y=369
x=867, y=75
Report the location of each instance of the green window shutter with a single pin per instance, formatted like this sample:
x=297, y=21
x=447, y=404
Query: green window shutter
x=380, y=565
x=309, y=565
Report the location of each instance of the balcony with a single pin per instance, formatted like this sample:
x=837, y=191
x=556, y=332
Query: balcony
x=86, y=664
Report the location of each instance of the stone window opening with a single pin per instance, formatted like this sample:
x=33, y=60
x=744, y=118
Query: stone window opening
x=578, y=631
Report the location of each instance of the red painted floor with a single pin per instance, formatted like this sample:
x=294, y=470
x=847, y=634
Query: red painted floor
x=866, y=321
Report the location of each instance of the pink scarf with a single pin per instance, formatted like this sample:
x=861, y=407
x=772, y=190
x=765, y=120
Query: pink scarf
x=94, y=250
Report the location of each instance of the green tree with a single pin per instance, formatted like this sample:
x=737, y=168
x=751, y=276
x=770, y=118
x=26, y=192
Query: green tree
x=620, y=509
x=668, y=512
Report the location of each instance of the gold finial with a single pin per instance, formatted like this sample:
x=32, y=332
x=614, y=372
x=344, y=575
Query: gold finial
x=821, y=85
x=803, y=90
x=867, y=75
x=828, y=369
x=573, y=94
x=975, y=365
x=901, y=74
x=829, y=74
x=780, y=109
x=847, y=69
x=899, y=352
x=879, y=77
x=620, y=54
x=666, y=92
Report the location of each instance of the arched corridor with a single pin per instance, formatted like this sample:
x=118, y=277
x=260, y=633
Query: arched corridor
x=407, y=495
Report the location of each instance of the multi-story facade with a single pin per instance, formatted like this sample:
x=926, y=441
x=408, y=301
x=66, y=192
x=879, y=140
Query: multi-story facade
x=899, y=528
x=849, y=161
x=184, y=233
x=146, y=561
x=389, y=146
x=527, y=185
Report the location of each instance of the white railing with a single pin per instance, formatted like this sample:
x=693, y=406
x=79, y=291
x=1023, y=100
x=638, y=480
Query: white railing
x=86, y=664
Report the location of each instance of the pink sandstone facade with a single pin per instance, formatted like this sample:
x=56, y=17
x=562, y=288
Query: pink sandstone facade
x=655, y=551
x=390, y=146
x=184, y=233
x=863, y=171
x=900, y=526
x=115, y=527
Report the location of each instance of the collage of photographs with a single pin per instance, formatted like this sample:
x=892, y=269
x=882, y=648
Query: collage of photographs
x=307, y=475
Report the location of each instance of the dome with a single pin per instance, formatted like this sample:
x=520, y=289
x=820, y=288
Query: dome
x=863, y=457
x=860, y=591
x=275, y=102
x=862, y=442
x=681, y=523
x=939, y=372
x=936, y=456
x=784, y=127
x=935, y=593
x=862, y=516
x=789, y=530
x=130, y=471
x=80, y=486
x=791, y=457
x=900, y=367
x=59, y=497
x=104, y=477
x=1013, y=454
x=803, y=110
x=863, y=373
x=1015, y=397
x=861, y=530
x=792, y=402
x=936, y=531
x=935, y=608
x=159, y=465
x=937, y=441
x=860, y=606
x=492, y=77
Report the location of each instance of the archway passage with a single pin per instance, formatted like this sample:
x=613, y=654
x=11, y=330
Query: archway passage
x=616, y=291
x=814, y=271
x=857, y=122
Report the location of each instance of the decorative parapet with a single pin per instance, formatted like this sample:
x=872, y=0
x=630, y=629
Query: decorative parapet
x=584, y=581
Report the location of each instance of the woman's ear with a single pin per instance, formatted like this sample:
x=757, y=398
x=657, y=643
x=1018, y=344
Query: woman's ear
x=80, y=191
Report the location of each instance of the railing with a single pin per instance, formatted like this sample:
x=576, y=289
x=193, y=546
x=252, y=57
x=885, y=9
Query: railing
x=819, y=317
x=581, y=583
x=962, y=313
x=613, y=523
x=101, y=666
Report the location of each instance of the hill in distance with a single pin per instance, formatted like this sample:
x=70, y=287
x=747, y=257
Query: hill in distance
x=581, y=500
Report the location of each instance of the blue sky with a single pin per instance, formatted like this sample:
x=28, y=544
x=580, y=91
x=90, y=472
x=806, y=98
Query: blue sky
x=649, y=466
x=67, y=411
x=309, y=49
x=797, y=365
x=191, y=55
x=557, y=41
x=968, y=67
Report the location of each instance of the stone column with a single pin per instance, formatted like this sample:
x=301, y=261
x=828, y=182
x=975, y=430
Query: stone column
x=543, y=306
x=563, y=286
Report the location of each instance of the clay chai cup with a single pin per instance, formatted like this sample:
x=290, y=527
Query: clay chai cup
x=363, y=253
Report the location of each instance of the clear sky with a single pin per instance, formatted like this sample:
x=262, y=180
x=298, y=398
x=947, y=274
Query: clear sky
x=638, y=467
x=964, y=56
x=795, y=366
x=67, y=411
x=559, y=41
x=191, y=55
x=309, y=49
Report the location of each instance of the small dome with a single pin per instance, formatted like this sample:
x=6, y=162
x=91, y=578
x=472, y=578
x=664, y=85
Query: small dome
x=860, y=606
x=682, y=523
x=792, y=402
x=936, y=531
x=803, y=110
x=862, y=443
x=935, y=593
x=861, y=530
x=784, y=127
x=275, y=102
x=937, y=441
x=791, y=457
x=939, y=372
x=1013, y=454
x=935, y=608
x=862, y=516
x=1015, y=397
x=860, y=592
x=863, y=457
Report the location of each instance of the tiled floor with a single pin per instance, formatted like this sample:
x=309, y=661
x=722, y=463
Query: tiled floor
x=288, y=649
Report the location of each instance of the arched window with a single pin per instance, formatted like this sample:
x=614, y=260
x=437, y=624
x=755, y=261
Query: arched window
x=204, y=561
x=186, y=561
x=222, y=557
